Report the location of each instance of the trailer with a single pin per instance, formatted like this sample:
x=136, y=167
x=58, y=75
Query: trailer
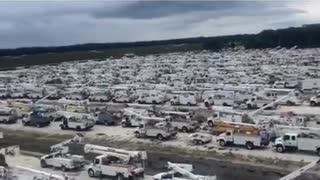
x=310, y=84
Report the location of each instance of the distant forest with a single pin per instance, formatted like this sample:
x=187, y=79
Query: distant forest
x=307, y=36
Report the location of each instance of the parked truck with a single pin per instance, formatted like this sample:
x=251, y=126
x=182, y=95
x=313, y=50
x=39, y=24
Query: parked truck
x=155, y=128
x=147, y=98
x=247, y=139
x=79, y=124
x=114, y=162
x=315, y=100
x=63, y=161
x=36, y=118
x=298, y=142
x=184, y=99
x=8, y=115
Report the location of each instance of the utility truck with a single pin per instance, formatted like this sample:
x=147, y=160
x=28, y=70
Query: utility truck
x=36, y=118
x=155, y=127
x=78, y=123
x=60, y=158
x=114, y=162
x=8, y=115
x=184, y=99
x=132, y=117
x=315, y=100
x=180, y=172
x=247, y=139
x=181, y=120
x=298, y=142
x=147, y=98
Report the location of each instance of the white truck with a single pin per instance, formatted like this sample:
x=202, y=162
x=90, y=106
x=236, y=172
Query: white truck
x=184, y=99
x=301, y=142
x=8, y=115
x=180, y=120
x=114, y=162
x=310, y=84
x=99, y=97
x=64, y=161
x=79, y=124
x=146, y=98
x=220, y=98
x=155, y=128
x=315, y=100
x=250, y=141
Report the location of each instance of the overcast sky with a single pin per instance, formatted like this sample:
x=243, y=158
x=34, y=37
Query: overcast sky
x=54, y=23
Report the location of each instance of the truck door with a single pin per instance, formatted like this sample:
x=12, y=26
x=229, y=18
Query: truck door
x=229, y=137
x=288, y=140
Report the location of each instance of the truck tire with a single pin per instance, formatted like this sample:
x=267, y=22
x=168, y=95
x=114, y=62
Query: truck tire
x=184, y=129
x=78, y=128
x=222, y=143
x=189, y=104
x=200, y=142
x=62, y=126
x=137, y=135
x=38, y=125
x=172, y=103
x=160, y=137
x=210, y=123
x=249, y=106
x=120, y=177
x=154, y=102
x=312, y=103
x=206, y=104
x=249, y=145
x=289, y=103
x=63, y=168
x=123, y=124
x=318, y=151
x=91, y=173
x=43, y=164
x=24, y=123
x=195, y=142
x=279, y=149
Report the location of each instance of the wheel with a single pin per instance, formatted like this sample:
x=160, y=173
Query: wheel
x=78, y=128
x=318, y=151
x=249, y=106
x=206, y=104
x=210, y=124
x=154, y=102
x=224, y=104
x=222, y=143
x=24, y=123
x=289, y=103
x=123, y=124
x=120, y=177
x=62, y=126
x=107, y=123
x=184, y=129
x=279, y=149
x=171, y=102
x=63, y=168
x=38, y=125
x=189, y=104
x=312, y=103
x=160, y=137
x=137, y=134
x=43, y=164
x=200, y=142
x=5, y=121
x=249, y=145
x=195, y=142
x=91, y=173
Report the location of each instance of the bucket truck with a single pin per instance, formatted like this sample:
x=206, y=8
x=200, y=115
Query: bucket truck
x=181, y=172
x=245, y=134
x=116, y=162
x=60, y=157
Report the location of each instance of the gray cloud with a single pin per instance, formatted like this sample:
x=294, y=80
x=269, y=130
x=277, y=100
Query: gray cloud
x=61, y=23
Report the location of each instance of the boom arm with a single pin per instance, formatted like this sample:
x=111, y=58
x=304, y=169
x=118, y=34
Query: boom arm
x=62, y=146
x=187, y=173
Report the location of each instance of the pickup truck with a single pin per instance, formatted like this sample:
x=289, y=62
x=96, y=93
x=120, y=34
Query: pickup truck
x=38, y=119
